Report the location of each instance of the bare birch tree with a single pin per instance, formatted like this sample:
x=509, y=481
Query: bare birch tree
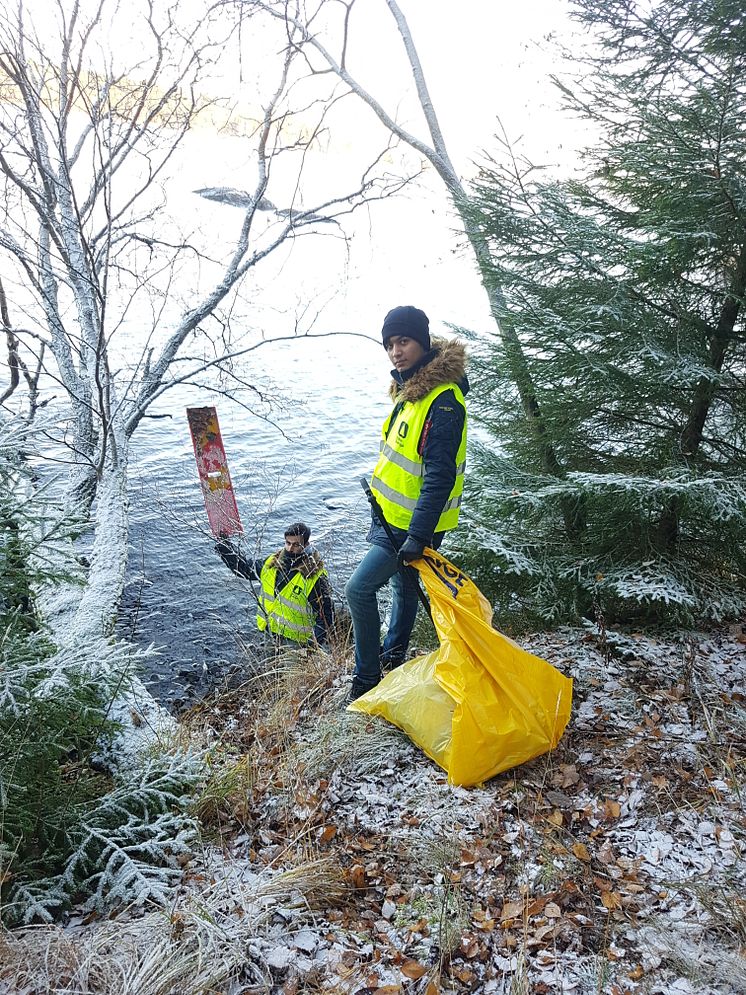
x=96, y=103
x=303, y=24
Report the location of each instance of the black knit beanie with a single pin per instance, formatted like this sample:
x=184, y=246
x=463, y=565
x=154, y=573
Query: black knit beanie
x=409, y=321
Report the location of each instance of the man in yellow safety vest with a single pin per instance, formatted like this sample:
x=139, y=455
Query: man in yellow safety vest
x=295, y=602
x=417, y=482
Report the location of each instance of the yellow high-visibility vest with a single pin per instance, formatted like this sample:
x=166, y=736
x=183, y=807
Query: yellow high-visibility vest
x=287, y=612
x=399, y=473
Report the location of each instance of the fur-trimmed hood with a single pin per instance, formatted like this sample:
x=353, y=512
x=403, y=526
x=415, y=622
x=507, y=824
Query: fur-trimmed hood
x=448, y=365
x=307, y=564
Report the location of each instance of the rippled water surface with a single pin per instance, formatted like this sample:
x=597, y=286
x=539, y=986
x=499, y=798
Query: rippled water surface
x=179, y=595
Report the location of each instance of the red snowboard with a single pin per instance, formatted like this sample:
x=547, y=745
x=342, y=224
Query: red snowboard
x=220, y=500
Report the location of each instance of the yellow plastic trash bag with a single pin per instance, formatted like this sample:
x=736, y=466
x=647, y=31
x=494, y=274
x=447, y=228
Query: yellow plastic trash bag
x=479, y=704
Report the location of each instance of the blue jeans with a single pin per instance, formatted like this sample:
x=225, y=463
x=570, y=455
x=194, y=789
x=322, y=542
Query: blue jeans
x=378, y=566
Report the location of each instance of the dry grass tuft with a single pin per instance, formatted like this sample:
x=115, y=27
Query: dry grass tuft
x=226, y=797
x=208, y=939
x=354, y=745
x=726, y=908
x=316, y=885
x=706, y=966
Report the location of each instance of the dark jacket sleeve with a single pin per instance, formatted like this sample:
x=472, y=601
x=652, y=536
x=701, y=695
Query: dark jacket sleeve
x=323, y=608
x=241, y=565
x=440, y=441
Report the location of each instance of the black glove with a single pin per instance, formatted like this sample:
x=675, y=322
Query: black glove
x=412, y=549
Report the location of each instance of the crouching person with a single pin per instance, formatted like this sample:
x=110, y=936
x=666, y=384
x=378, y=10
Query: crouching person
x=295, y=599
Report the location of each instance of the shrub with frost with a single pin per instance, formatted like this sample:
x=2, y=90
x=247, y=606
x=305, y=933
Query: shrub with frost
x=71, y=827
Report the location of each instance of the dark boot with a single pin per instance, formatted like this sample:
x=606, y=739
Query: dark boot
x=391, y=659
x=359, y=688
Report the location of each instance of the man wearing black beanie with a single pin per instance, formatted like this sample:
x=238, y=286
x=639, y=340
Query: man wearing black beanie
x=417, y=482
x=409, y=322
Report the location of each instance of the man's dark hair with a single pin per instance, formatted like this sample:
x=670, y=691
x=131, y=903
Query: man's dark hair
x=299, y=529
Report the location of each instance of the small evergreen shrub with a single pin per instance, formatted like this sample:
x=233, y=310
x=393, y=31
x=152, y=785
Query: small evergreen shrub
x=71, y=829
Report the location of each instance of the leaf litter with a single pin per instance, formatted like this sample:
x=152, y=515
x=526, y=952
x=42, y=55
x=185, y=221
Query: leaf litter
x=336, y=857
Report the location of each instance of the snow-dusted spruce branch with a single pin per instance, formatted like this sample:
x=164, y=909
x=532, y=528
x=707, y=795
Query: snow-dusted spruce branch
x=518, y=171
x=68, y=834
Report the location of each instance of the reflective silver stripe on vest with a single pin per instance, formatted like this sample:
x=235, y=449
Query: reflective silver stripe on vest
x=410, y=503
x=394, y=496
x=290, y=604
x=416, y=469
x=267, y=604
x=293, y=605
x=282, y=623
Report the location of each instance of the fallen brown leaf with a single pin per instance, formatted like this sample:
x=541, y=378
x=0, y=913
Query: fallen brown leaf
x=413, y=969
x=469, y=947
x=463, y=975
x=566, y=776
x=357, y=876
x=612, y=809
x=366, y=845
x=537, y=905
x=511, y=910
x=581, y=852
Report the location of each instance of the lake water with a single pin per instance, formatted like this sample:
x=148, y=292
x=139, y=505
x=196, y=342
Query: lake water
x=180, y=596
x=304, y=457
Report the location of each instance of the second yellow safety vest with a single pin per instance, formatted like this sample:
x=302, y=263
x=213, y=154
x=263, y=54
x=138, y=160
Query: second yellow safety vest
x=288, y=612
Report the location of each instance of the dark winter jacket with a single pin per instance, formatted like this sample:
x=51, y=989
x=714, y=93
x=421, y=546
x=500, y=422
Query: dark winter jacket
x=309, y=562
x=440, y=439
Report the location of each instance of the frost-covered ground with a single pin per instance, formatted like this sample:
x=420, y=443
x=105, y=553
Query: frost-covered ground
x=338, y=859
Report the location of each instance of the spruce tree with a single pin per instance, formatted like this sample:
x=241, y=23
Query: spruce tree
x=74, y=825
x=626, y=283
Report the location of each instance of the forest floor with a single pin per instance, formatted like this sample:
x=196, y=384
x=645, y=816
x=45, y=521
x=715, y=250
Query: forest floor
x=336, y=858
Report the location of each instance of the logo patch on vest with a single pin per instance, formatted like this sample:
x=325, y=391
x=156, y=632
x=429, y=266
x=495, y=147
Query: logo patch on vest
x=402, y=430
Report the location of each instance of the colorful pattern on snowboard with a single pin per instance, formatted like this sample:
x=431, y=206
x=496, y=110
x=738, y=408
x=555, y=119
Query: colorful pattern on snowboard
x=214, y=477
